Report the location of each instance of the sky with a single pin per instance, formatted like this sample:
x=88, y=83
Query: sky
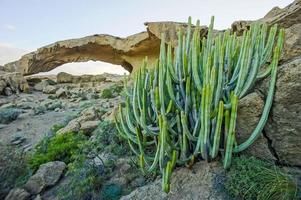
x=30, y=24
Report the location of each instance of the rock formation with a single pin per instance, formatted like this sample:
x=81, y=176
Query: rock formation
x=282, y=134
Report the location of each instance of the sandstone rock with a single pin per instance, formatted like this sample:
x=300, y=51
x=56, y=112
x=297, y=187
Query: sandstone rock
x=17, y=194
x=202, y=182
x=249, y=112
x=47, y=175
x=61, y=93
x=89, y=114
x=49, y=89
x=72, y=126
x=41, y=85
x=89, y=126
x=292, y=42
x=64, y=77
x=284, y=127
x=13, y=80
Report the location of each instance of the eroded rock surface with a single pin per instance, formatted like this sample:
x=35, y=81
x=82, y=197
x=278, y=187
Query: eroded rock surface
x=47, y=175
x=203, y=181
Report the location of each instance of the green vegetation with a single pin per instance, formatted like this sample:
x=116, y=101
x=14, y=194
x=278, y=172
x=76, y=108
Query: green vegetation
x=13, y=167
x=107, y=140
x=251, y=178
x=112, y=91
x=185, y=107
x=58, y=148
x=8, y=115
x=107, y=94
x=86, y=179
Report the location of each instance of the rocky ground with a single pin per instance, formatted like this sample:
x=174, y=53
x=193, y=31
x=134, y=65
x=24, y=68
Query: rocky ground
x=50, y=103
x=69, y=104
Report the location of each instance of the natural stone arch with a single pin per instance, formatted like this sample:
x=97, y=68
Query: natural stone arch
x=128, y=52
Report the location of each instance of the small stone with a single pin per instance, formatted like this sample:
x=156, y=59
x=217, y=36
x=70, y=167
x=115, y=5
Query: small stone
x=8, y=91
x=17, y=194
x=49, y=89
x=61, y=93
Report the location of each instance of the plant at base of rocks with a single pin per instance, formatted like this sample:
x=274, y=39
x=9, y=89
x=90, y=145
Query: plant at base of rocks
x=107, y=94
x=251, y=178
x=13, y=166
x=8, y=115
x=107, y=139
x=84, y=181
x=185, y=107
x=111, y=192
x=111, y=92
x=58, y=148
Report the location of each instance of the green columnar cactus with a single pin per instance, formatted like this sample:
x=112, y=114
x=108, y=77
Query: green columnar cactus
x=185, y=107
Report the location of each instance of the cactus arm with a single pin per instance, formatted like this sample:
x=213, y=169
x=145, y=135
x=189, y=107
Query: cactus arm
x=217, y=133
x=269, y=100
x=231, y=135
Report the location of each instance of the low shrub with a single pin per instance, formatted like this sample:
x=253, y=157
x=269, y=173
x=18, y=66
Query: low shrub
x=107, y=93
x=111, y=192
x=8, y=115
x=107, y=139
x=85, y=181
x=13, y=168
x=250, y=178
x=58, y=148
x=112, y=91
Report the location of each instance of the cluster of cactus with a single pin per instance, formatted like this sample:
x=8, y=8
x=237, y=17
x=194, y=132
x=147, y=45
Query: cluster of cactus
x=185, y=107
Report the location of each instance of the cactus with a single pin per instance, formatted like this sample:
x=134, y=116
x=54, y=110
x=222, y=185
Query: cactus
x=185, y=107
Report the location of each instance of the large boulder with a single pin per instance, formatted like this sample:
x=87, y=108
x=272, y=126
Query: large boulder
x=47, y=175
x=64, y=77
x=284, y=128
x=13, y=81
x=203, y=181
x=249, y=112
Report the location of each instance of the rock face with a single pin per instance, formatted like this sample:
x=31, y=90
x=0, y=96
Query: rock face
x=127, y=52
x=203, y=181
x=284, y=127
x=47, y=175
x=12, y=82
x=249, y=112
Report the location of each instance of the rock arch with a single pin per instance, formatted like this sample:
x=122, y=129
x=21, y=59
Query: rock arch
x=127, y=52
x=130, y=51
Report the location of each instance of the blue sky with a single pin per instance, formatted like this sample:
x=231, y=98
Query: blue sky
x=29, y=24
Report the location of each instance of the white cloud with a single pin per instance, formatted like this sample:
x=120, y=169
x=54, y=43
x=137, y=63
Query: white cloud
x=9, y=27
x=8, y=53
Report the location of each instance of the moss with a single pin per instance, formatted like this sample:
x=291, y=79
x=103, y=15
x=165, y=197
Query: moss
x=251, y=178
x=58, y=148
